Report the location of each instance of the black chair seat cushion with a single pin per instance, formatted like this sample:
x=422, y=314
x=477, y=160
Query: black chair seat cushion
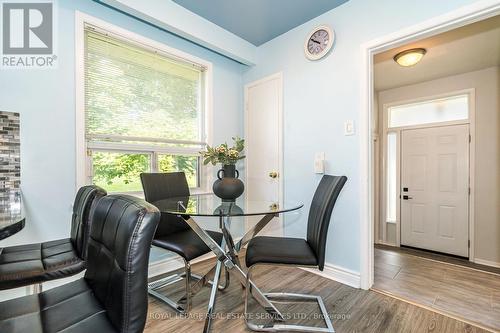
x=279, y=250
x=33, y=263
x=71, y=308
x=186, y=243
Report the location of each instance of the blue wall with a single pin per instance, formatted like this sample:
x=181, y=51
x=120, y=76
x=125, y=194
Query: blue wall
x=320, y=96
x=46, y=101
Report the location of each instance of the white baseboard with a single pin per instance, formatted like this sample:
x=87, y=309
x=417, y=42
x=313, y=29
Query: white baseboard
x=332, y=272
x=172, y=264
x=339, y=274
x=176, y=262
x=487, y=262
x=381, y=242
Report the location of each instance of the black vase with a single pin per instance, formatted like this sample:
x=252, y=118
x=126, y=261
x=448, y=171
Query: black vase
x=228, y=187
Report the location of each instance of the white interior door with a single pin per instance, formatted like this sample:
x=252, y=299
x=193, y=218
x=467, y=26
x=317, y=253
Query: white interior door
x=435, y=189
x=263, y=144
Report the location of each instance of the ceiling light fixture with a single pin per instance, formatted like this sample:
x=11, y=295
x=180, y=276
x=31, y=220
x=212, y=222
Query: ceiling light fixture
x=410, y=57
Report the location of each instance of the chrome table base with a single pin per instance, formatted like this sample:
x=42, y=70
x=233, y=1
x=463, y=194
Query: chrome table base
x=227, y=255
x=229, y=258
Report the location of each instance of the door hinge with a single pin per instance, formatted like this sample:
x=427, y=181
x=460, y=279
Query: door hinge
x=470, y=138
x=468, y=243
x=469, y=190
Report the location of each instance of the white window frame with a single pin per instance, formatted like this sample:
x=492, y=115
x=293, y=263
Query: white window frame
x=471, y=93
x=83, y=167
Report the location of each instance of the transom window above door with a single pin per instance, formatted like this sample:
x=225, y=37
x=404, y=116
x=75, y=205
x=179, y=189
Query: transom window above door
x=440, y=110
x=144, y=112
x=454, y=108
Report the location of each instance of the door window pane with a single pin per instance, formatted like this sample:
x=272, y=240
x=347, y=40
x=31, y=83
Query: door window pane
x=392, y=191
x=188, y=164
x=119, y=172
x=433, y=111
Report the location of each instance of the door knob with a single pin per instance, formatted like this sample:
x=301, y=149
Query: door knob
x=274, y=206
x=273, y=174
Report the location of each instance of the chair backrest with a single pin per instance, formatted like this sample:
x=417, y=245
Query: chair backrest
x=117, y=265
x=160, y=186
x=320, y=214
x=85, y=198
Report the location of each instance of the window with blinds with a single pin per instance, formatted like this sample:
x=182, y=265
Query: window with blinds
x=143, y=112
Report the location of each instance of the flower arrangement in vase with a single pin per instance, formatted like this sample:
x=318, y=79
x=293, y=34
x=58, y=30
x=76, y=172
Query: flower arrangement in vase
x=227, y=186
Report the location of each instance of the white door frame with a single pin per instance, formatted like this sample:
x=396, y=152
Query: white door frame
x=465, y=15
x=471, y=93
x=278, y=76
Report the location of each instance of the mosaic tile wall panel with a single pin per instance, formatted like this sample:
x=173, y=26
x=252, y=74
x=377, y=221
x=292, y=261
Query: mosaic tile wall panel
x=10, y=161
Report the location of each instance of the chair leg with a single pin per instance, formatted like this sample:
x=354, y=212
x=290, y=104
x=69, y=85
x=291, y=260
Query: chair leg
x=184, y=304
x=210, y=282
x=226, y=280
x=189, y=301
x=274, y=326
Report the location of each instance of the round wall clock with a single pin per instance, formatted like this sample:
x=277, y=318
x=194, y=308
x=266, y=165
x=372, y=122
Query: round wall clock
x=319, y=42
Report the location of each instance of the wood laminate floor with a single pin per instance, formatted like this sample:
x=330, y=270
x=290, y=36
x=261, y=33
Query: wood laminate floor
x=352, y=310
x=459, y=261
x=458, y=291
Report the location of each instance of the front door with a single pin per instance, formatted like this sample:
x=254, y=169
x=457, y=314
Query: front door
x=435, y=189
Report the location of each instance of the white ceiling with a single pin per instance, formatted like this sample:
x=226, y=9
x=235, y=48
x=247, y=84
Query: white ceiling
x=469, y=48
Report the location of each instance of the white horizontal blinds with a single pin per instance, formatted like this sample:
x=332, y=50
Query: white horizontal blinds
x=134, y=94
x=433, y=111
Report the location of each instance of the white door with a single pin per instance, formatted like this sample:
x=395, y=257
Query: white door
x=263, y=144
x=435, y=189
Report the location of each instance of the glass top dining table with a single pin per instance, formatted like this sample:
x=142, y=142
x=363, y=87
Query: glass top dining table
x=192, y=207
x=211, y=205
x=12, y=217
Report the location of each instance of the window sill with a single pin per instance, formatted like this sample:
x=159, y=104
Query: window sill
x=198, y=191
x=139, y=194
x=195, y=191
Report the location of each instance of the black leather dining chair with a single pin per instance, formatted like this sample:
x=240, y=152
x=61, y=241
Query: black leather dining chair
x=175, y=235
x=309, y=252
x=112, y=296
x=28, y=264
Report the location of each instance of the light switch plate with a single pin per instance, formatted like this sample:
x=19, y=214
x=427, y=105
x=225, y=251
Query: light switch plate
x=349, y=127
x=319, y=156
x=319, y=162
